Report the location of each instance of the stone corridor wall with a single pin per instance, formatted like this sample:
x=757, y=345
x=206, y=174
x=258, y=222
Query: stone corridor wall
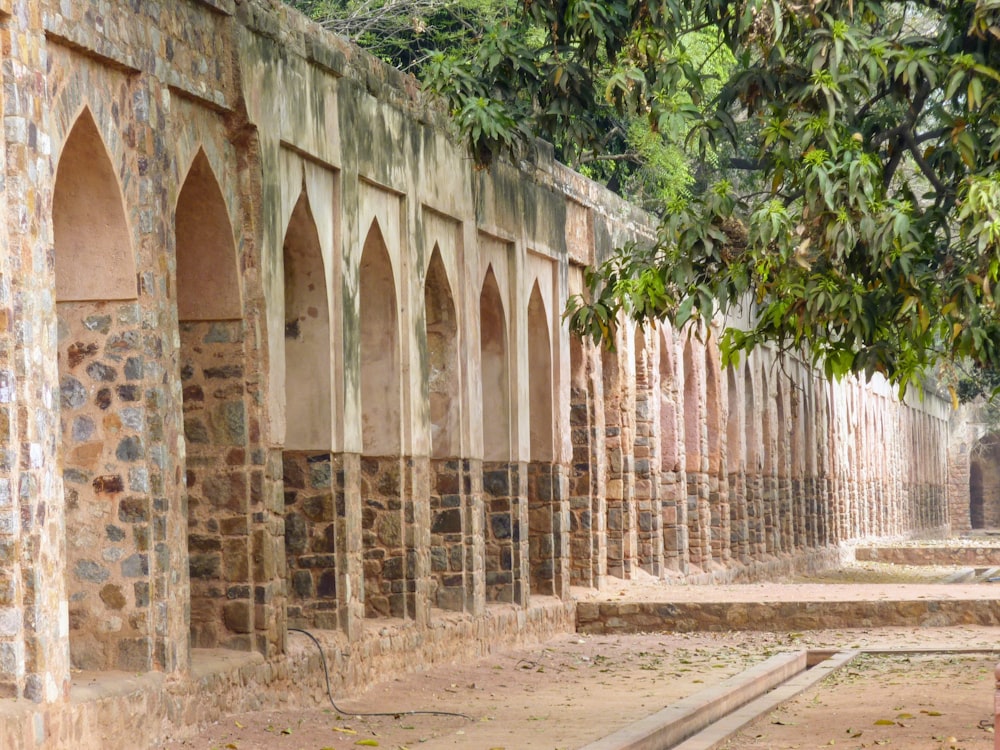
x=273, y=353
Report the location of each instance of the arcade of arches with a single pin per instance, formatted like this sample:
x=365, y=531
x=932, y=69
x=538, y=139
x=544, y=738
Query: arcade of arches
x=273, y=354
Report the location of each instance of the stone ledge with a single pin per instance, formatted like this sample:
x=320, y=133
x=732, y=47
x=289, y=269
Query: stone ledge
x=687, y=617
x=965, y=556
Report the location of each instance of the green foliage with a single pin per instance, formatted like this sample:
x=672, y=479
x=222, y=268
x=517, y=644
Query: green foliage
x=404, y=33
x=873, y=245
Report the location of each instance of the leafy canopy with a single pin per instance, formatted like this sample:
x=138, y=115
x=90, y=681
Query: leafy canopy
x=855, y=211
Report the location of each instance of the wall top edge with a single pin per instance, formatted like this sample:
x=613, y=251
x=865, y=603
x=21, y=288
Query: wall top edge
x=107, y=55
x=225, y=7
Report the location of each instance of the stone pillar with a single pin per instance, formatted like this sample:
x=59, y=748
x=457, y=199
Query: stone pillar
x=475, y=551
x=672, y=491
x=618, y=430
x=350, y=542
x=269, y=567
x=505, y=532
x=318, y=565
x=586, y=481
x=396, y=532
x=383, y=530
x=418, y=585
x=645, y=452
x=548, y=521
x=34, y=652
x=542, y=526
x=311, y=544
x=453, y=539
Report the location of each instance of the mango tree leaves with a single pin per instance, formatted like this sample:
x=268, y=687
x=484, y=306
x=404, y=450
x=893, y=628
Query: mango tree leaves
x=855, y=212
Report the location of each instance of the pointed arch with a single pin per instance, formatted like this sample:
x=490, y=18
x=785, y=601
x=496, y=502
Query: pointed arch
x=713, y=410
x=751, y=447
x=539, y=378
x=442, y=355
x=780, y=433
x=668, y=407
x=94, y=259
x=767, y=455
x=643, y=376
x=380, y=359
x=692, y=419
x=208, y=286
x=495, y=371
x=734, y=444
x=308, y=388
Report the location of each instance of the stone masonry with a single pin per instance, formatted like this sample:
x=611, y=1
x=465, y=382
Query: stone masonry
x=274, y=354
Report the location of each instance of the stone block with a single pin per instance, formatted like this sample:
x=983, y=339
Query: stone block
x=447, y=522
x=238, y=616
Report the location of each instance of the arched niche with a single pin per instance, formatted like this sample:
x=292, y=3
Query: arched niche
x=692, y=414
x=495, y=371
x=380, y=375
x=642, y=374
x=781, y=433
x=307, y=334
x=208, y=286
x=734, y=452
x=800, y=411
x=767, y=457
x=539, y=379
x=93, y=246
x=442, y=359
x=668, y=408
x=751, y=445
x=713, y=410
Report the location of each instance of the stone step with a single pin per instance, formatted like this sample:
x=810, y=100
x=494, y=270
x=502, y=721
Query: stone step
x=782, y=616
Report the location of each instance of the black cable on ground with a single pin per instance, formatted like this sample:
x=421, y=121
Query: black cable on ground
x=338, y=709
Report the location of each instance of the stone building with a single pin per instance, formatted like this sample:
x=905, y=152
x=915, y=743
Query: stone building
x=274, y=353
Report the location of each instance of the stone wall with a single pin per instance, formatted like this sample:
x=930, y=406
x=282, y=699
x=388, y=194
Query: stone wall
x=272, y=350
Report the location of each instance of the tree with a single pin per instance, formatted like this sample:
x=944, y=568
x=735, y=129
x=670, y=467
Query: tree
x=856, y=208
x=404, y=33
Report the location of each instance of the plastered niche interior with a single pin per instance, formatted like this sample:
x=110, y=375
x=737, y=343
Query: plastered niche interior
x=442, y=359
x=380, y=375
x=539, y=378
x=94, y=260
x=207, y=281
x=495, y=369
x=307, y=335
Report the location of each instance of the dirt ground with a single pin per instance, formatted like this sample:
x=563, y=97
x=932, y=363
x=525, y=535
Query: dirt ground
x=920, y=702
x=576, y=689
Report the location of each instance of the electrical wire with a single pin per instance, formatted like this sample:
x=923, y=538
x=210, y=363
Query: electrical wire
x=338, y=709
